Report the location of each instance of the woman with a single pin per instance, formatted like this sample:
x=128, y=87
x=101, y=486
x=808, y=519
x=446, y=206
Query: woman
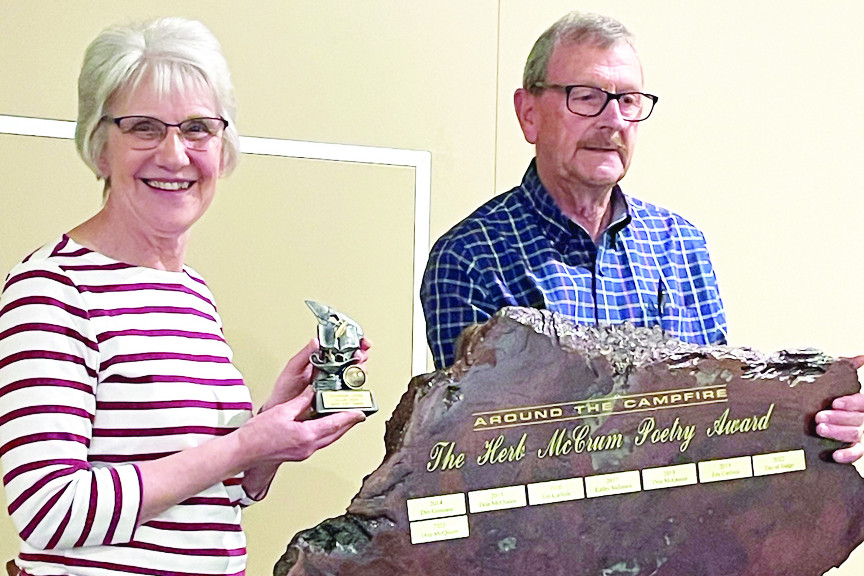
x=127, y=438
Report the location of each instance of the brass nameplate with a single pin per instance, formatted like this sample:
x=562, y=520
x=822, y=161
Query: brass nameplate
x=556, y=491
x=439, y=529
x=436, y=507
x=346, y=399
x=611, y=484
x=779, y=463
x=669, y=476
x=496, y=499
x=727, y=469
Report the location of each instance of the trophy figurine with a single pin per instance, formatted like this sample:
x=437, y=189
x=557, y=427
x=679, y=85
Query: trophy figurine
x=339, y=382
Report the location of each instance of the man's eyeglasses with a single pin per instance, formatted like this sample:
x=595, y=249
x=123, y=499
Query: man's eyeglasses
x=147, y=132
x=590, y=101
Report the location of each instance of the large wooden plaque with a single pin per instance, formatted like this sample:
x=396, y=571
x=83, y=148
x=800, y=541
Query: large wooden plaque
x=555, y=449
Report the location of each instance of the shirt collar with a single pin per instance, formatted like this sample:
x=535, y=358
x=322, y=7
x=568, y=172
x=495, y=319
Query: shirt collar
x=557, y=225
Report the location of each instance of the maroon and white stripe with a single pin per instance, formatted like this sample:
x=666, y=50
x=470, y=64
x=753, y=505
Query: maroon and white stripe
x=103, y=365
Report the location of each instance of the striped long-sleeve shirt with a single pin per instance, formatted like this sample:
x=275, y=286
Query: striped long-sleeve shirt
x=103, y=365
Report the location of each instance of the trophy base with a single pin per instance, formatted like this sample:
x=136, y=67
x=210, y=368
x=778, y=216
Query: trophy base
x=330, y=401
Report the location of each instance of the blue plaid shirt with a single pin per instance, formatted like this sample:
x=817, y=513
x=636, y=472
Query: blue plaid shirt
x=649, y=267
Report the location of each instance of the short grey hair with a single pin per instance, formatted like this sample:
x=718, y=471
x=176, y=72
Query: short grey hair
x=174, y=54
x=572, y=28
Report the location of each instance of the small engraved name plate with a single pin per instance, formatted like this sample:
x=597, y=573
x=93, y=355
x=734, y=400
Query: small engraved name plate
x=779, y=463
x=332, y=400
x=496, y=499
x=726, y=469
x=609, y=484
x=436, y=507
x=669, y=476
x=439, y=529
x=556, y=491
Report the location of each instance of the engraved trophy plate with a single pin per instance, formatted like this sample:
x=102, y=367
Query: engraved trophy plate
x=339, y=381
x=553, y=448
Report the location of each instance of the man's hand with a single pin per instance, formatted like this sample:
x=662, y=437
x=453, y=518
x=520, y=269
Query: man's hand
x=845, y=422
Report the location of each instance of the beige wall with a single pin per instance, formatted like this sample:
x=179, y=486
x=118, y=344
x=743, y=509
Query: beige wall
x=753, y=140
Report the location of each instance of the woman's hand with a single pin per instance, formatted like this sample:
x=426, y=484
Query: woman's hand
x=845, y=422
x=281, y=432
x=285, y=432
x=294, y=378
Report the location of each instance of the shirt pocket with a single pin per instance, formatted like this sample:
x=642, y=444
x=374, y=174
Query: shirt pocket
x=679, y=321
x=668, y=308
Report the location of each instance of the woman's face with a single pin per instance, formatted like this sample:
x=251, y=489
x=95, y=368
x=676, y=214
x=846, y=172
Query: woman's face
x=160, y=192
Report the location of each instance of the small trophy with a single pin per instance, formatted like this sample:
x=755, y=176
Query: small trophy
x=339, y=382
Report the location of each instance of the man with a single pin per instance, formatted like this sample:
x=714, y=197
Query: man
x=568, y=239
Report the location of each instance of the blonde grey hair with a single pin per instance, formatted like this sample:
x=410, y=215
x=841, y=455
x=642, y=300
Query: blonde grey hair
x=174, y=54
x=572, y=28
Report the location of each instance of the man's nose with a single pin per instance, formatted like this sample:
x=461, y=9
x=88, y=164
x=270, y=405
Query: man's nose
x=612, y=114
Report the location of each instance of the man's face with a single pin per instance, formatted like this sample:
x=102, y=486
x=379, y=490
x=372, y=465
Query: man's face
x=574, y=152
